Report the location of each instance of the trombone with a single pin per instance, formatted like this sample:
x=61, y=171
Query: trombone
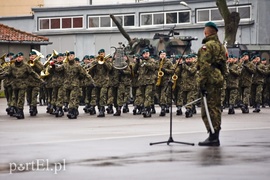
x=47, y=62
x=102, y=59
x=39, y=55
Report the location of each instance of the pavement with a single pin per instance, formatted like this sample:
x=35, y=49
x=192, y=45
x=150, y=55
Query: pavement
x=118, y=148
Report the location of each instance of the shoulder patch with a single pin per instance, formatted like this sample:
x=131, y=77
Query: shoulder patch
x=204, y=47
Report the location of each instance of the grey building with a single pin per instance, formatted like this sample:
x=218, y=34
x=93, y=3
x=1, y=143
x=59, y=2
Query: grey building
x=86, y=29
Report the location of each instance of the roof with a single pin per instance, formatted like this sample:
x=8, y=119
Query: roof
x=10, y=34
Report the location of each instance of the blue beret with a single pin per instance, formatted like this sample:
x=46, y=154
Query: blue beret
x=101, y=51
x=211, y=24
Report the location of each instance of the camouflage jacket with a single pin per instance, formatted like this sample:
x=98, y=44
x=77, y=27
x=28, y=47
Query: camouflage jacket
x=188, y=77
x=134, y=76
x=114, y=76
x=248, y=70
x=233, y=76
x=147, y=71
x=167, y=68
x=211, y=62
x=73, y=74
x=57, y=79
x=260, y=74
x=38, y=67
x=20, y=73
x=100, y=73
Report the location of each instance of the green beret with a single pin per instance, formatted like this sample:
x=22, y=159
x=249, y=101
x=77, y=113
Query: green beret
x=32, y=53
x=263, y=59
x=245, y=53
x=86, y=57
x=48, y=55
x=92, y=57
x=253, y=57
x=20, y=54
x=71, y=52
x=162, y=51
x=101, y=51
x=61, y=54
x=76, y=59
x=10, y=54
x=211, y=24
x=15, y=56
x=145, y=50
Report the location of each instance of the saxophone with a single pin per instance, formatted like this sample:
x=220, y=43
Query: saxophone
x=174, y=79
x=160, y=73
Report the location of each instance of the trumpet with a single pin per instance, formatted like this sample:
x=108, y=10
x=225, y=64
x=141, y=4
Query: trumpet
x=39, y=55
x=101, y=59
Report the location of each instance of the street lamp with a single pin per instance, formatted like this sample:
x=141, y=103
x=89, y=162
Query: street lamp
x=183, y=3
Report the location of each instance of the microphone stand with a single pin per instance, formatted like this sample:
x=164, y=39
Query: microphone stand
x=170, y=83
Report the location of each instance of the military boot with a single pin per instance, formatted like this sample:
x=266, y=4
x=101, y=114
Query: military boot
x=147, y=112
x=65, y=107
x=231, y=109
x=92, y=110
x=257, y=108
x=72, y=113
x=144, y=110
x=167, y=108
x=19, y=114
x=140, y=110
x=245, y=109
x=163, y=111
x=33, y=110
x=135, y=110
x=212, y=140
x=194, y=111
x=59, y=112
x=101, y=112
x=179, y=111
x=125, y=108
x=118, y=111
x=153, y=110
x=109, y=109
x=87, y=108
x=8, y=110
x=12, y=111
x=48, y=108
x=188, y=113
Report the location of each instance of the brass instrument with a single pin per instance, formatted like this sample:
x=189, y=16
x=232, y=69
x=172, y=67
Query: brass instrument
x=66, y=58
x=39, y=55
x=47, y=62
x=160, y=73
x=45, y=73
x=3, y=59
x=101, y=59
x=174, y=79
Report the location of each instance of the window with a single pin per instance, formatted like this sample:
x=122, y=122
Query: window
x=213, y=14
x=105, y=21
x=179, y=17
x=60, y=23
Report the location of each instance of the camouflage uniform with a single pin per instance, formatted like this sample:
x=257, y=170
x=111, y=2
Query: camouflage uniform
x=212, y=66
x=34, y=87
x=73, y=74
x=146, y=69
x=232, y=85
x=20, y=72
x=257, y=85
x=266, y=92
x=163, y=86
x=245, y=83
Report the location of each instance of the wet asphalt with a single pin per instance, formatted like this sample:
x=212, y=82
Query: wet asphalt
x=116, y=148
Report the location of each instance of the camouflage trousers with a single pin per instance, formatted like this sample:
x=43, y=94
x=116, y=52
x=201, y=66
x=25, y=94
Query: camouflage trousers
x=89, y=95
x=164, y=94
x=56, y=95
x=256, y=93
x=223, y=93
x=245, y=94
x=135, y=92
x=177, y=96
x=213, y=102
x=73, y=97
x=32, y=94
x=266, y=93
x=8, y=94
x=186, y=97
x=146, y=95
x=49, y=95
x=118, y=95
x=18, y=98
x=232, y=95
x=101, y=95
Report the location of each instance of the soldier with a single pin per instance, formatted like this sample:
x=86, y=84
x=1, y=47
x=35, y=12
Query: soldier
x=211, y=66
x=91, y=89
x=20, y=73
x=101, y=68
x=245, y=81
x=165, y=71
x=86, y=93
x=266, y=85
x=232, y=83
x=146, y=68
x=177, y=84
x=34, y=84
x=257, y=84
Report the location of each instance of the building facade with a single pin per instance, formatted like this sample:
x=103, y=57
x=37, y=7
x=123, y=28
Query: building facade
x=88, y=28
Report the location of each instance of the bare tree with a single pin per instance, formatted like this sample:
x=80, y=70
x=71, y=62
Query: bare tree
x=231, y=21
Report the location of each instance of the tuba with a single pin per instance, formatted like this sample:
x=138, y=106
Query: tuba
x=39, y=55
x=160, y=73
x=119, y=61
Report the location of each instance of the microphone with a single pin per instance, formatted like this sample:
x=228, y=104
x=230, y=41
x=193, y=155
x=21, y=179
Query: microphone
x=189, y=38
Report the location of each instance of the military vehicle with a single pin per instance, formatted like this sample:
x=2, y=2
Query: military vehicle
x=169, y=42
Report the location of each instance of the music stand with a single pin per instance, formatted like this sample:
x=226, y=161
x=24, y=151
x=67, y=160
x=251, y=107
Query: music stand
x=170, y=140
